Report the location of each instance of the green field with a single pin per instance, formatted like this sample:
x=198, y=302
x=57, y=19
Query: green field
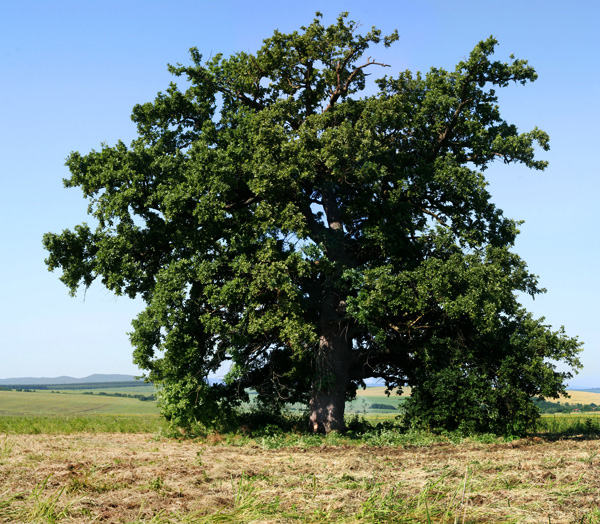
x=75, y=458
x=38, y=403
x=97, y=401
x=147, y=389
x=94, y=474
x=362, y=404
x=68, y=425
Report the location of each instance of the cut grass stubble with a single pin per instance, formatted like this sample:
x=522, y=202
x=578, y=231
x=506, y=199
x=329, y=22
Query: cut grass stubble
x=139, y=479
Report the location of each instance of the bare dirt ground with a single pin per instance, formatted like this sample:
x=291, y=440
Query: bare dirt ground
x=87, y=478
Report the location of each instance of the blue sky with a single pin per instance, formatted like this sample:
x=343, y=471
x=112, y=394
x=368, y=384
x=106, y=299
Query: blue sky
x=72, y=71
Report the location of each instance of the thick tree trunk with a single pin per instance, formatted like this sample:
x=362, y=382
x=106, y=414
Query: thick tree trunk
x=333, y=361
x=332, y=365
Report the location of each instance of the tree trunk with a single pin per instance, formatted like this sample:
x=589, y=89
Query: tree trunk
x=332, y=365
x=328, y=398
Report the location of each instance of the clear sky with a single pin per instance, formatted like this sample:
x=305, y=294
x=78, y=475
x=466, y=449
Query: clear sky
x=73, y=70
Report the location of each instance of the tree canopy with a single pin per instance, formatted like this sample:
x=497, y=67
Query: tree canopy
x=277, y=222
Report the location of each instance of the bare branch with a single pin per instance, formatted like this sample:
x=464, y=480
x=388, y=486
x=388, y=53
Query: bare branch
x=443, y=136
x=475, y=157
x=343, y=89
x=247, y=202
x=437, y=217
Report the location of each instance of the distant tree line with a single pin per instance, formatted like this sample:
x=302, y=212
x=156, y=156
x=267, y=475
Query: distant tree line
x=547, y=407
x=57, y=388
x=387, y=407
x=78, y=385
x=122, y=395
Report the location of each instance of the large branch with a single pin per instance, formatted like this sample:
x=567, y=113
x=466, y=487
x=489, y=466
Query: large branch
x=238, y=204
x=249, y=102
x=316, y=229
x=309, y=92
x=440, y=219
x=342, y=89
x=240, y=95
x=445, y=135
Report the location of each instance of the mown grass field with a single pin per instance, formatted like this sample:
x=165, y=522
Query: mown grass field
x=77, y=462
x=142, y=478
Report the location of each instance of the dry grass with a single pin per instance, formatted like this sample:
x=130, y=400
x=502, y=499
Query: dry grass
x=134, y=478
x=379, y=391
x=576, y=397
x=581, y=397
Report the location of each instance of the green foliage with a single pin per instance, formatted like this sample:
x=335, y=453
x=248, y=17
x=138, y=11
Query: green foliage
x=275, y=221
x=382, y=406
x=549, y=407
x=143, y=398
x=563, y=426
x=490, y=389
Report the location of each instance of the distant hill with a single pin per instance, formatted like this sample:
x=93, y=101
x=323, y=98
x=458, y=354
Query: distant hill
x=44, y=381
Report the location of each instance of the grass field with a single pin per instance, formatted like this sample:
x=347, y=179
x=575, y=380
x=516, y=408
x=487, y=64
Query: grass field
x=38, y=403
x=68, y=425
x=76, y=402
x=581, y=397
x=65, y=460
x=379, y=391
x=123, y=478
x=147, y=389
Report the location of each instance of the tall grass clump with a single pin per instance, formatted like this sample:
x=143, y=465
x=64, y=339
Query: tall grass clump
x=565, y=425
x=38, y=506
x=6, y=447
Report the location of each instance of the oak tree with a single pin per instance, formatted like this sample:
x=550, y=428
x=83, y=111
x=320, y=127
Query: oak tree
x=277, y=223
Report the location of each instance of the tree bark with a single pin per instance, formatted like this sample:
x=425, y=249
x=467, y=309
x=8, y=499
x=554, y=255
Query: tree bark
x=334, y=354
x=328, y=398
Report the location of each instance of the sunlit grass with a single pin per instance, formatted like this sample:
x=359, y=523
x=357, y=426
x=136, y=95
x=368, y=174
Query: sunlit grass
x=46, y=403
x=53, y=425
x=134, y=479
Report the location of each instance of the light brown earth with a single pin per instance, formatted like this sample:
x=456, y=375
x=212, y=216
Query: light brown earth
x=136, y=478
